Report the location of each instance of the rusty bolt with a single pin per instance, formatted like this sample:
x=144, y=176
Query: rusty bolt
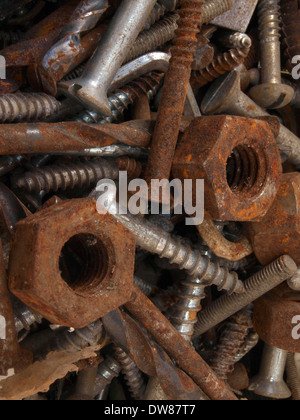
x=70, y=265
x=227, y=152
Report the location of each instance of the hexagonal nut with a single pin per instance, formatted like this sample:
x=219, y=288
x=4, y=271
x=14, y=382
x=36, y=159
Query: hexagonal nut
x=278, y=233
x=239, y=160
x=71, y=264
x=273, y=321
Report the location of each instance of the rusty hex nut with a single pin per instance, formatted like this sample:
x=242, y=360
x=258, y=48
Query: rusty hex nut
x=70, y=264
x=273, y=320
x=278, y=233
x=238, y=159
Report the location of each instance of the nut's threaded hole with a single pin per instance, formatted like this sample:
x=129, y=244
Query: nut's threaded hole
x=84, y=262
x=245, y=171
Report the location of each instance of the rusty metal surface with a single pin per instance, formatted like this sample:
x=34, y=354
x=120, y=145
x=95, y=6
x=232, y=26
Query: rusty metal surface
x=228, y=154
x=273, y=318
x=238, y=18
x=278, y=232
x=176, y=346
x=174, y=91
x=13, y=358
x=102, y=283
x=69, y=136
x=291, y=21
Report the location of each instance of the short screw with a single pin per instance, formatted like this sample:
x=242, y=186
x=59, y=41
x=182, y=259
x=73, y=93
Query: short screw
x=256, y=286
x=183, y=315
x=271, y=93
x=225, y=97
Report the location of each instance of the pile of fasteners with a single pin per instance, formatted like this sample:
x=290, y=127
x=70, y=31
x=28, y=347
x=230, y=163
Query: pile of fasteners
x=124, y=276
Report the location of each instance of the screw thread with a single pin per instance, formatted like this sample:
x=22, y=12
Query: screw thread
x=185, y=41
x=159, y=34
x=269, y=20
x=108, y=370
x=67, y=176
x=79, y=339
x=129, y=165
x=145, y=287
x=239, y=40
x=133, y=376
x=222, y=63
x=293, y=379
x=120, y=100
x=230, y=344
x=24, y=317
x=17, y=107
x=259, y=284
x=156, y=14
x=214, y=8
x=183, y=315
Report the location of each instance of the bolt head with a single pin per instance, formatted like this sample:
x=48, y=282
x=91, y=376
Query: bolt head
x=272, y=96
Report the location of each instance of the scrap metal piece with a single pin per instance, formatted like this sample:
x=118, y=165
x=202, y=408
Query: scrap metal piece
x=239, y=17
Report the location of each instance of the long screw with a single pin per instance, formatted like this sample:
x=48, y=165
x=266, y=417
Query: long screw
x=174, y=91
x=225, y=96
x=156, y=240
x=133, y=376
x=120, y=100
x=271, y=93
x=221, y=64
x=259, y=284
x=15, y=107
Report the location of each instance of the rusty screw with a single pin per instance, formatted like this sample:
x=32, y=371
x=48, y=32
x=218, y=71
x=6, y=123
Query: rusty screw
x=174, y=91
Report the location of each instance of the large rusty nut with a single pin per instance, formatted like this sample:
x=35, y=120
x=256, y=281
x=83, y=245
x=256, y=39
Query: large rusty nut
x=278, y=233
x=274, y=321
x=239, y=160
x=72, y=265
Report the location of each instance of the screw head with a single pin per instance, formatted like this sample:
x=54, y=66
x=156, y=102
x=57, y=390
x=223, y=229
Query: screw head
x=271, y=95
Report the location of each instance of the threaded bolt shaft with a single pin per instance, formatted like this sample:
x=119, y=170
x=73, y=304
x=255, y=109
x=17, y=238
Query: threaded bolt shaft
x=256, y=286
x=222, y=63
x=269, y=28
x=129, y=165
x=183, y=315
x=235, y=40
x=120, y=100
x=24, y=317
x=156, y=240
x=17, y=107
x=230, y=343
x=145, y=287
x=133, y=376
x=293, y=379
x=156, y=14
x=67, y=176
x=108, y=370
x=79, y=339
